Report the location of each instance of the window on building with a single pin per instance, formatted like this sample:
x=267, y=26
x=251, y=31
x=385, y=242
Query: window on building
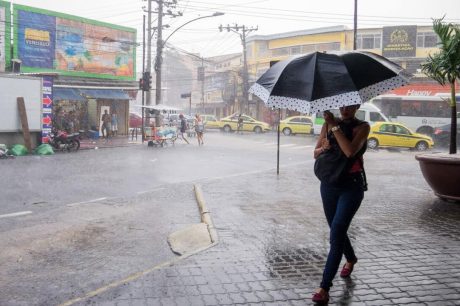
x=263, y=48
x=368, y=41
x=334, y=46
x=296, y=50
x=280, y=51
x=427, y=40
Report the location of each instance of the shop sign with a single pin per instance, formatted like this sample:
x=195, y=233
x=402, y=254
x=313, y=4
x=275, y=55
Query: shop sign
x=49, y=41
x=47, y=108
x=399, y=41
x=422, y=89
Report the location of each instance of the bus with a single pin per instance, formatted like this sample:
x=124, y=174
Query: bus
x=421, y=114
x=366, y=112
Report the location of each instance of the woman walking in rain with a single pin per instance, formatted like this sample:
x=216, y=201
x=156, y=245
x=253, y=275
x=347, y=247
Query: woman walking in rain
x=183, y=128
x=341, y=199
x=199, y=129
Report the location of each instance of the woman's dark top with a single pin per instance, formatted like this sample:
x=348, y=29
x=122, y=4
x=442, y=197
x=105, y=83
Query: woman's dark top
x=347, y=129
x=183, y=125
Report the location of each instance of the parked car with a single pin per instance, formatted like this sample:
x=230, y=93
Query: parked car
x=296, y=125
x=135, y=120
x=210, y=121
x=441, y=135
x=391, y=134
x=229, y=124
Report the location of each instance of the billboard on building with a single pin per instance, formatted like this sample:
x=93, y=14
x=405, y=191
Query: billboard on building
x=5, y=27
x=399, y=41
x=48, y=41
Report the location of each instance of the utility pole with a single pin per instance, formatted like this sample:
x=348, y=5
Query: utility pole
x=202, y=85
x=161, y=43
x=244, y=31
x=158, y=59
x=143, y=70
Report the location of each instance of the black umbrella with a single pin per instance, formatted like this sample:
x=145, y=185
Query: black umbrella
x=321, y=81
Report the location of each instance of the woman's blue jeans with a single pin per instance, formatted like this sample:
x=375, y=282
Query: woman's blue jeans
x=340, y=204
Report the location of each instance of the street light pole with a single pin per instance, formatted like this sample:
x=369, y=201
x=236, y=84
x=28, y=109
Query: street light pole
x=161, y=44
x=149, y=48
x=355, y=25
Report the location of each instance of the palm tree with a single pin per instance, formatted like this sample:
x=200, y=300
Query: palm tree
x=444, y=67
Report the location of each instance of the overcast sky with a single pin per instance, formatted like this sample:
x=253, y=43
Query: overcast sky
x=271, y=16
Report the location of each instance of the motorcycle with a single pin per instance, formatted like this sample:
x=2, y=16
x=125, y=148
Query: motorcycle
x=61, y=140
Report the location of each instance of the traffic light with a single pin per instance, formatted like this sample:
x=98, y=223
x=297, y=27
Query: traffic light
x=146, y=81
x=141, y=83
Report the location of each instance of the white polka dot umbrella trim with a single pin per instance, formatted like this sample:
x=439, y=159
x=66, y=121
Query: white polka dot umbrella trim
x=310, y=107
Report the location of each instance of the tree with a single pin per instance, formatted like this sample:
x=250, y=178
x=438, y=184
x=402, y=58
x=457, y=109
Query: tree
x=444, y=67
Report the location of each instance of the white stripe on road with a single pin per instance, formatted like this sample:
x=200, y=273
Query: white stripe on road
x=153, y=160
x=303, y=147
x=86, y=202
x=21, y=213
x=288, y=145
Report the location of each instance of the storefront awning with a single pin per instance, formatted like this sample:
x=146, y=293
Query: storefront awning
x=113, y=94
x=67, y=94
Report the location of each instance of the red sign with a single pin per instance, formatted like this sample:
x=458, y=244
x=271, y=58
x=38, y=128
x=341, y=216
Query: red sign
x=46, y=120
x=422, y=89
x=47, y=101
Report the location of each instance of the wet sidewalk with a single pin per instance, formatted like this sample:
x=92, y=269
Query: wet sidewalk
x=112, y=142
x=273, y=241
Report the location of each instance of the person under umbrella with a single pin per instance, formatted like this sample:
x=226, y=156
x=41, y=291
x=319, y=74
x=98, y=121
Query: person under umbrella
x=320, y=82
x=342, y=198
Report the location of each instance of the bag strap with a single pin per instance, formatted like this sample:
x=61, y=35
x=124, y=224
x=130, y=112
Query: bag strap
x=363, y=173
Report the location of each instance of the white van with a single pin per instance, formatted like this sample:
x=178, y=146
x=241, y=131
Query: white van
x=367, y=112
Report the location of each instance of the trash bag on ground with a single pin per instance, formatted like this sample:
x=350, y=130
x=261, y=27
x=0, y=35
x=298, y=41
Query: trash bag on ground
x=44, y=149
x=19, y=150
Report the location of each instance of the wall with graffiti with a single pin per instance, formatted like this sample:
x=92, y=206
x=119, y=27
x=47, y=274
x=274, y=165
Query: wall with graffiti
x=50, y=41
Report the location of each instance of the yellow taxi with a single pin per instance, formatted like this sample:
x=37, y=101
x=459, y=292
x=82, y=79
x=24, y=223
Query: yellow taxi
x=210, y=121
x=296, y=125
x=392, y=134
x=230, y=123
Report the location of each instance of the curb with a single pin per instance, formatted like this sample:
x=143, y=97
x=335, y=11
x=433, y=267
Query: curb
x=205, y=214
x=205, y=218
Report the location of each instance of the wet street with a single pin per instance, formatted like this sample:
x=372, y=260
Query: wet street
x=97, y=224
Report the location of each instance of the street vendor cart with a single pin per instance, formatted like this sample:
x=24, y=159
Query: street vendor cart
x=158, y=135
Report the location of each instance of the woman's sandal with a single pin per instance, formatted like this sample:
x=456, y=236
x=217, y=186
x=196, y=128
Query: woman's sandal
x=321, y=297
x=346, y=272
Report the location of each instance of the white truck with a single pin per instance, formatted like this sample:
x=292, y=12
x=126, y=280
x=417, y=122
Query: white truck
x=367, y=112
x=12, y=87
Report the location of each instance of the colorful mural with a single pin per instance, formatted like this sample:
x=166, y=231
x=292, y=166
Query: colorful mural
x=50, y=41
x=4, y=35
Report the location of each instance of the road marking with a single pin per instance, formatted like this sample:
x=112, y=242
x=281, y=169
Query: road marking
x=288, y=145
x=303, y=147
x=153, y=160
x=86, y=202
x=21, y=213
